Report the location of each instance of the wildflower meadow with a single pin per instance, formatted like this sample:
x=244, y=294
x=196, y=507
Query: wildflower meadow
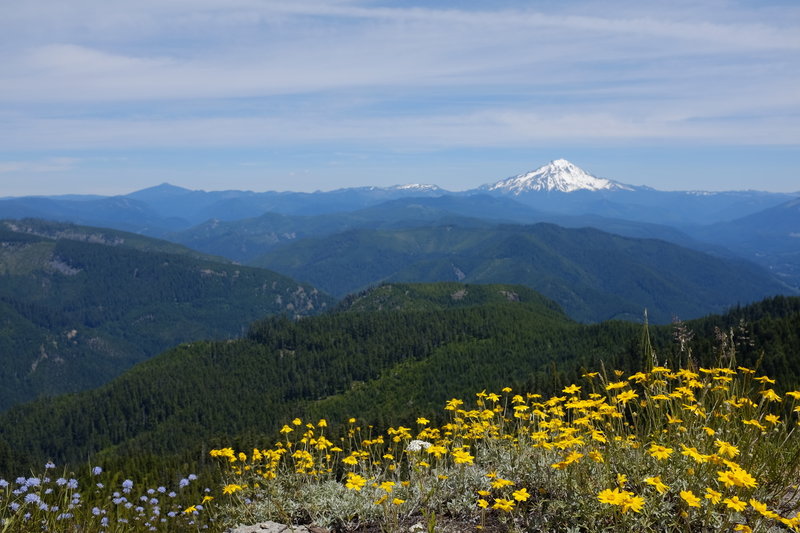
x=688, y=449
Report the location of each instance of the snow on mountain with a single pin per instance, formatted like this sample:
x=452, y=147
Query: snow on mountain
x=559, y=175
x=417, y=187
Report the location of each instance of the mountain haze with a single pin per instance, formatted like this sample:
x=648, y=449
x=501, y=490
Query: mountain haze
x=592, y=275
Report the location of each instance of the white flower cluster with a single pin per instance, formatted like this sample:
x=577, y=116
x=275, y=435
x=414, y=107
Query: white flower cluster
x=417, y=445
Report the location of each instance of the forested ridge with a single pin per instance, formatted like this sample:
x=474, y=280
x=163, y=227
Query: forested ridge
x=381, y=366
x=593, y=275
x=81, y=305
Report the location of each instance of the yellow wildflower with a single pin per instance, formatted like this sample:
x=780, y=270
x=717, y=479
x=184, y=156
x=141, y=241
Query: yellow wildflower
x=736, y=477
x=624, y=499
x=616, y=385
x=462, y=457
x=726, y=448
x=755, y=423
x=713, y=495
x=231, y=488
x=503, y=504
x=625, y=397
x=596, y=456
x=660, y=452
x=499, y=482
x=354, y=481
x=770, y=395
x=735, y=503
x=690, y=499
x=657, y=483
x=521, y=495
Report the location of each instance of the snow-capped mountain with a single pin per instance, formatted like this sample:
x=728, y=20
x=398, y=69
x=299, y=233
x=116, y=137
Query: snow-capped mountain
x=559, y=175
x=420, y=187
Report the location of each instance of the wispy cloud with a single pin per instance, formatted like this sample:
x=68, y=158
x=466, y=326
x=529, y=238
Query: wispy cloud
x=90, y=74
x=53, y=164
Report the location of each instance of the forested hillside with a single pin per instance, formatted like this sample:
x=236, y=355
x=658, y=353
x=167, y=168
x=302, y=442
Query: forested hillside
x=81, y=305
x=591, y=274
x=383, y=366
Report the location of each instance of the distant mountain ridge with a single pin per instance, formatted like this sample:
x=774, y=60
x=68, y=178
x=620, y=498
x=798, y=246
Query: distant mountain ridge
x=224, y=222
x=592, y=275
x=164, y=208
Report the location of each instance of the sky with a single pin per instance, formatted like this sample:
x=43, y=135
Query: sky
x=100, y=97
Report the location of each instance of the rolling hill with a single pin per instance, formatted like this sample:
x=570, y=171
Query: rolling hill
x=81, y=305
x=592, y=275
x=384, y=366
x=770, y=238
x=247, y=238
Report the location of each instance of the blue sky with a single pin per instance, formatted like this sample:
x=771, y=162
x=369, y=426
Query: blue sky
x=110, y=97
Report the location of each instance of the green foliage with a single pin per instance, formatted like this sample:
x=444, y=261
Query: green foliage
x=438, y=296
x=385, y=367
x=81, y=307
x=592, y=275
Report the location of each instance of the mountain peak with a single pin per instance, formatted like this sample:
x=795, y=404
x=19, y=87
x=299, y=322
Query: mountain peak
x=558, y=175
x=421, y=187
